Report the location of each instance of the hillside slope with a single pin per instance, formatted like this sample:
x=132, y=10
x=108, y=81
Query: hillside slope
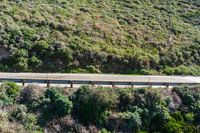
x=129, y=36
x=35, y=109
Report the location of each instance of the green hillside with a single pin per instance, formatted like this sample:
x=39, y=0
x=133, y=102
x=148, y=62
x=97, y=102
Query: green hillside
x=109, y=36
x=34, y=109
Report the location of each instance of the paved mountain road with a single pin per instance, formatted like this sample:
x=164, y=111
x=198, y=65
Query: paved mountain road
x=101, y=77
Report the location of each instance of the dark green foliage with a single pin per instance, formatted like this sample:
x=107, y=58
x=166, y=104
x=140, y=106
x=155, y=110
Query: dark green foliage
x=177, y=124
x=132, y=121
x=125, y=100
x=92, y=106
x=191, y=101
x=154, y=112
x=190, y=96
x=59, y=105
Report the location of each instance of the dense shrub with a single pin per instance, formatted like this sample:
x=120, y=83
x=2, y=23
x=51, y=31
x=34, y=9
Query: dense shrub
x=189, y=95
x=21, y=115
x=58, y=105
x=5, y=100
x=126, y=99
x=31, y=93
x=191, y=102
x=11, y=88
x=177, y=124
x=8, y=93
x=92, y=106
x=152, y=110
x=132, y=121
x=9, y=127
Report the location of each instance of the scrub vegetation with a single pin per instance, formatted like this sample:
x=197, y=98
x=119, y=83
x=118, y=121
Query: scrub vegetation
x=99, y=110
x=108, y=36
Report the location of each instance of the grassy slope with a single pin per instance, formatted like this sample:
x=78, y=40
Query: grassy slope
x=111, y=35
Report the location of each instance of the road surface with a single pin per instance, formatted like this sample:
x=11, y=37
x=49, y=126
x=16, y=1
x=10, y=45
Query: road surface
x=102, y=78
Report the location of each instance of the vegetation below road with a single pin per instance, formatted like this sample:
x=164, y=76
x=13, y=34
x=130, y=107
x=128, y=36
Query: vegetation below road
x=115, y=36
x=99, y=110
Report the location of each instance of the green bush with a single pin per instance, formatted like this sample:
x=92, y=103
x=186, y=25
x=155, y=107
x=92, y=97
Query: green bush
x=21, y=115
x=152, y=109
x=59, y=105
x=104, y=131
x=132, y=120
x=92, y=106
x=125, y=100
x=190, y=96
x=176, y=124
x=34, y=62
x=11, y=88
x=92, y=69
x=5, y=100
x=189, y=117
x=173, y=126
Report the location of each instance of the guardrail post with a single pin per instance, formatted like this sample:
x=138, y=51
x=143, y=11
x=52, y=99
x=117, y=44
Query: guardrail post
x=167, y=85
x=48, y=83
x=71, y=84
x=150, y=85
x=23, y=82
x=92, y=83
x=113, y=85
x=132, y=85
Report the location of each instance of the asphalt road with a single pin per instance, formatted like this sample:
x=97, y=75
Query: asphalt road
x=102, y=77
